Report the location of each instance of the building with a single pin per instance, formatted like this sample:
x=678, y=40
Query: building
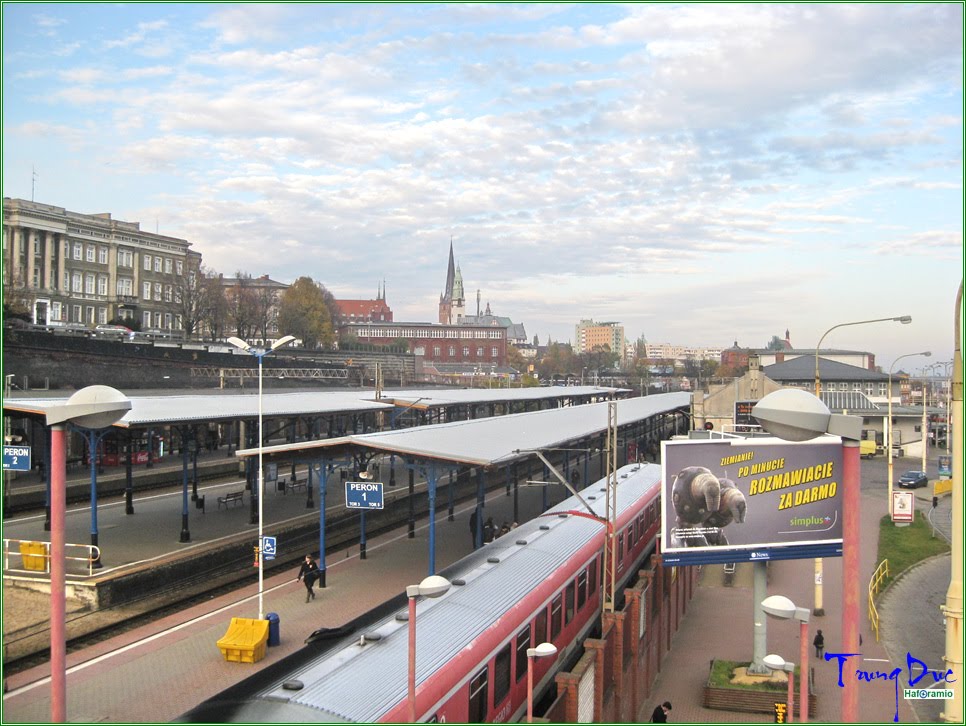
x=365, y=311
x=666, y=351
x=799, y=372
x=452, y=301
x=516, y=334
x=590, y=335
x=89, y=268
x=471, y=346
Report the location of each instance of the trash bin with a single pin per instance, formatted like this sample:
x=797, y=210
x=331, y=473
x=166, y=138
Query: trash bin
x=274, y=637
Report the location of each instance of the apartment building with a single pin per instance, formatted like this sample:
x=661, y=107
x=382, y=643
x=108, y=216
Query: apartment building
x=589, y=335
x=89, y=268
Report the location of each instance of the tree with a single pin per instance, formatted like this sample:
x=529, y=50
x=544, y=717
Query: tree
x=304, y=313
x=193, y=299
x=242, y=306
x=16, y=299
x=515, y=359
x=214, y=316
x=775, y=343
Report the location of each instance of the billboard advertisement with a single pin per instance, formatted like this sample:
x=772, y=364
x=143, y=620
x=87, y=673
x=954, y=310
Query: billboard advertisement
x=745, y=500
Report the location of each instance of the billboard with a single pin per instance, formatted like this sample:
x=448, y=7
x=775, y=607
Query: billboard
x=741, y=500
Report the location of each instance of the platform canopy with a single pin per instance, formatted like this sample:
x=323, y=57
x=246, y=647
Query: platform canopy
x=498, y=440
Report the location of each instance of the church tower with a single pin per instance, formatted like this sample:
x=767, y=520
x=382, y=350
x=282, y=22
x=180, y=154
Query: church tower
x=452, y=301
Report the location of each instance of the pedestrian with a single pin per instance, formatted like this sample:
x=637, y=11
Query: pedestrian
x=819, y=644
x=474, y=524
x=504, y=529
x=309, y=573
x=489, y=530
x=661, y=712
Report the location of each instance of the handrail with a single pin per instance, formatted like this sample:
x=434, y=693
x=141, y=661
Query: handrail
x=875, y=583
x=36, y=555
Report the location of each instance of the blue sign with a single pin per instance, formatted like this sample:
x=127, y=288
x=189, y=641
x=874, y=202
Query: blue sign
x=363, y=494
x=268, y=548
x=16, y=458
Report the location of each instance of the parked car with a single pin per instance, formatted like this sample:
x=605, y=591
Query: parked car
x=913, y=480
x=113, y=331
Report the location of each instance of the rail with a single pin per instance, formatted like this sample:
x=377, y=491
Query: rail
x=325, y=373
x=875, y=584
x=35, y=556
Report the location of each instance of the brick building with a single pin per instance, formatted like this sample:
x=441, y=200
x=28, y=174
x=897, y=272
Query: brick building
x=470, y=345
x=365, y=311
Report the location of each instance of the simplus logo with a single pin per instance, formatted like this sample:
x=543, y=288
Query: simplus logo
x=811, y=521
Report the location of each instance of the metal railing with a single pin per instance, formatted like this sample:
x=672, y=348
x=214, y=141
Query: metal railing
x=875, y=584
x=35, y=556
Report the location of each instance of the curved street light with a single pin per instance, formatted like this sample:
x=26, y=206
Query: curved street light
x=888, y=436
x=239, y=343
x=818, y=608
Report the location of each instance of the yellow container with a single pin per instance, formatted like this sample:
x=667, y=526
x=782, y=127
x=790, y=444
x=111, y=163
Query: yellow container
x=34, y=556
x=245, y=640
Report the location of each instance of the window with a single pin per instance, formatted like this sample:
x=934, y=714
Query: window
x=146, y=290
x=436, y=351
x=77, y=314
x=478, y=694
x=592, y=577
x=90, y=314
x=102, y=255
x=157, y=264
x=540, y=626
x=479, y=352
x=581, y=589
x=157, y=291
x=91, y=251
x=466, y=351
x=556, y=617
x=494, y=352
x=569, y=604
x=167, y=293
x=501, y=675
x=523, y=642
x=66, y=280
x=452, y=351
x=147, y=262
x=146, y=318
x=179, y=267
x=56, y=310
x=102, y=284
x=101, y=315
x=167, y=321
x=157, y=320
x=125, y=286
x=89, y=281
x=167, y=265
x=620, y=551
x=125, y=258
x=78, y=251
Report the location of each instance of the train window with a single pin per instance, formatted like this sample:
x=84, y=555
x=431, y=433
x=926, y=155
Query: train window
x=620, y=547
x=523, y=642
x=501, y=675
x=569, y=603
x=592, y=577
x=581, y=589
x=556, y=617
x=630, y=536
x=540, y=627
x=477, y=713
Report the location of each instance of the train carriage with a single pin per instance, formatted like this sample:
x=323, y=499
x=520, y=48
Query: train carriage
x=541, y=582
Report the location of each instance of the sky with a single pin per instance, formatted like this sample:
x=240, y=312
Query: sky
x=703, y=174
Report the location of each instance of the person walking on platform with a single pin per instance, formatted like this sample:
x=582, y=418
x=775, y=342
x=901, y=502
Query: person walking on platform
x=661, y=712
x=819, y=644
x=310, y=572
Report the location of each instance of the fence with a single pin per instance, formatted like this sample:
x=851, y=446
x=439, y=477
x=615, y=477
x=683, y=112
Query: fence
x=880, y=574
x=35, y=557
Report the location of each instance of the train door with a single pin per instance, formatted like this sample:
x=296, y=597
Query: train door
x=478, y=696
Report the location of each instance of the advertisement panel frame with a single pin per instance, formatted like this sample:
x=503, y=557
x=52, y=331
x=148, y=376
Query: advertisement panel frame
x=771, y=500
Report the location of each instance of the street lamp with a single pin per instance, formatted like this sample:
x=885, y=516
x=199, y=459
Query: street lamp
x=889, y=426
x=796, y=415
x=777, y=663
x=818, y=608
x=779, y=606
x=94, y=407
x=432, y=586
x=239, y=343
x=541, y=651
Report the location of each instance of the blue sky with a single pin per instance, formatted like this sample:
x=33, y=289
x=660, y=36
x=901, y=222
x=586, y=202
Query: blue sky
x=701, y=173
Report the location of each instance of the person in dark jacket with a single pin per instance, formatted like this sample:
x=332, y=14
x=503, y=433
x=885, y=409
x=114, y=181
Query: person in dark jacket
x=819, y=644
x=309, y=573
x=489, y=530
x=661, y=712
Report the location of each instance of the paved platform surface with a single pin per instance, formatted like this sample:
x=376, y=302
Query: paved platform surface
x=160, y=670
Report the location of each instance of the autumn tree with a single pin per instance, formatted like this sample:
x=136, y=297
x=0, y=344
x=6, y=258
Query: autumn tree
x=194, y=297
x=303, y=313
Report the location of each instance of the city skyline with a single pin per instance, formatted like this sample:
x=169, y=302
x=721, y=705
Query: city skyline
x=700, y=174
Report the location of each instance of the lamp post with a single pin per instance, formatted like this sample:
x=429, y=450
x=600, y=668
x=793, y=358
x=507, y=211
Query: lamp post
x=432, y=586
x=796, y=415
x=94, y=407
x=779, y=606
x=777, y=663
x=541, y=651
x=818, y=608
x=888, y=435
x=239, y=343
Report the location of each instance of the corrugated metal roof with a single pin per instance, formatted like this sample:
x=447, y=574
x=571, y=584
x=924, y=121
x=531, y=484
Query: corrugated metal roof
x=496, y=440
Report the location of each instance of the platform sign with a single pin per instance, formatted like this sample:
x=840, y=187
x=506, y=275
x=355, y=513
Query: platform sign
x=903, y=507
x=363, y=494
x=268, y=548
x=16, y=458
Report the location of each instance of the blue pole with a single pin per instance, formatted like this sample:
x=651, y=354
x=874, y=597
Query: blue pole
x=323, y=481
x=92, y=441
x=362, y=535
x=431, y=488
x=185, y=534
